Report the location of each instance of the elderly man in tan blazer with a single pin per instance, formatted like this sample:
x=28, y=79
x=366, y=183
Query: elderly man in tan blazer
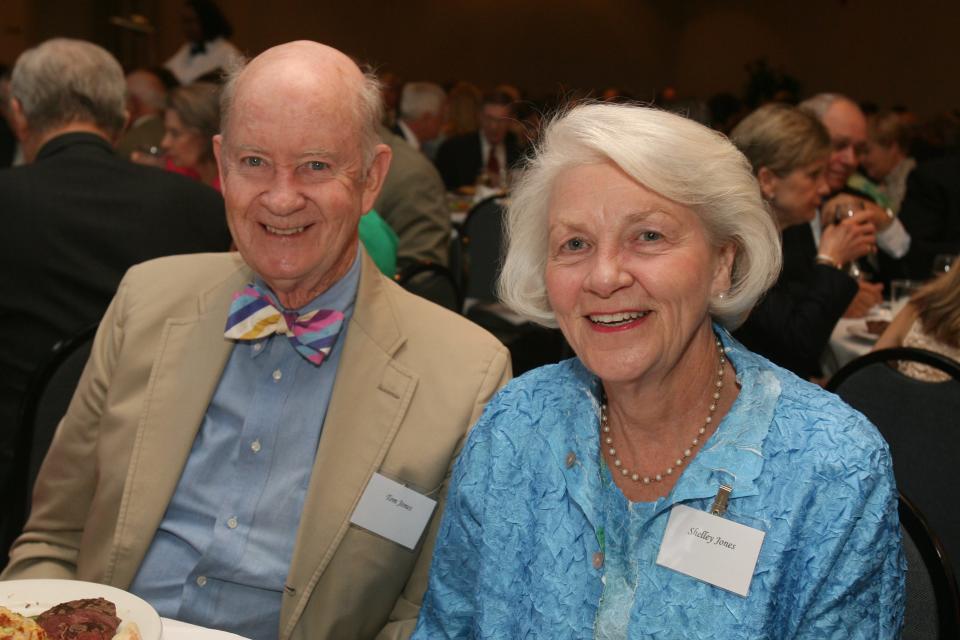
x=169, y=477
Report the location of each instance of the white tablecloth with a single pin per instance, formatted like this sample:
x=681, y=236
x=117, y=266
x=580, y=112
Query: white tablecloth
x=176, y=630
x=847, y=342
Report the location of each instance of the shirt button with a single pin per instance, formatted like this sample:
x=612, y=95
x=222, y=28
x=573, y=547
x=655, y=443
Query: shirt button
x=277, y=374
x=232, y=522
x=258, y=347
x=255, y=446
x=571, y=459
x=598, y=560
x=201, y=581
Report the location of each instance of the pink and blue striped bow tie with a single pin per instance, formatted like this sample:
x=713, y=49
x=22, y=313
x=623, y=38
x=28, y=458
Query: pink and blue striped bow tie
x=253, y=316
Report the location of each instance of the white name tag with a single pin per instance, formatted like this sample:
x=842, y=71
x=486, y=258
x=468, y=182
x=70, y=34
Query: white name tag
x=710, y=548
x=391, y=510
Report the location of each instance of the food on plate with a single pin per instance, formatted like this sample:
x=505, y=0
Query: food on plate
x=13, y=626
x=877, y=327
x=87, y=619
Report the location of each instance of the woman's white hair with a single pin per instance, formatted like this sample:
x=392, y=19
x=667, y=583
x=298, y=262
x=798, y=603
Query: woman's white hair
x=666, y=153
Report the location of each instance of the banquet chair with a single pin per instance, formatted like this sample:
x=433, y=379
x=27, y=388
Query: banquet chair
x=433, y=282
x=481, y=249
x=44, y=403
x=932, y=599
x=918, y=419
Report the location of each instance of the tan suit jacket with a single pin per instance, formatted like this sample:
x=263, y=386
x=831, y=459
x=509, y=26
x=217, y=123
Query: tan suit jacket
x=412, y=379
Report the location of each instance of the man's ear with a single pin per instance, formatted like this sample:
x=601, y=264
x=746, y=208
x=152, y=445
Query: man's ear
x=18, y=120
x=376, y=175
x=218, y=155
x=768, y=182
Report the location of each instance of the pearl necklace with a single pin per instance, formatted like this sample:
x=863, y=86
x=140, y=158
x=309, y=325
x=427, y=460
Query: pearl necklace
x=636, y=477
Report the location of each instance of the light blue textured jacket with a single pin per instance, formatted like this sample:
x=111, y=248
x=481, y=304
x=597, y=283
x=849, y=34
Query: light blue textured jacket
x=514, y=557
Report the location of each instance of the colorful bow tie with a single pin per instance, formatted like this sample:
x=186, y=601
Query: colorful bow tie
x=253, y=316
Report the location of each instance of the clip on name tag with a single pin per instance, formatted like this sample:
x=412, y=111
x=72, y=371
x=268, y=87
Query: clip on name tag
x=710, y=548
x=391, y=510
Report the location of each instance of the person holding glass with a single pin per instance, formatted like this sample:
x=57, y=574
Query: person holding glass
x=596, y=497
x=788, y=150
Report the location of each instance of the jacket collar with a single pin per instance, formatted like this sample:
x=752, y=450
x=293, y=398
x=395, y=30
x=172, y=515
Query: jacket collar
x=64, y=141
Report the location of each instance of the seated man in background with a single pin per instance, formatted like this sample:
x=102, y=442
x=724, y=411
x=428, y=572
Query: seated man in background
x=413, y=202
x=422, y=115
x=847, y=127
x=483, y=156
x=77, y=216
x=220, y=474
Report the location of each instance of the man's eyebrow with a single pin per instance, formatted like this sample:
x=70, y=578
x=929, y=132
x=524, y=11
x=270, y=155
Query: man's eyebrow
x=248, y=147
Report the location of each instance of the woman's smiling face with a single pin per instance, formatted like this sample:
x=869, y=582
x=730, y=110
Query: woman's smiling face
x=629, y=273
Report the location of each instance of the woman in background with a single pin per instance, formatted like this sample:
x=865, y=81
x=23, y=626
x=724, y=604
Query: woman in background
x=931, y=321
x=788, y=150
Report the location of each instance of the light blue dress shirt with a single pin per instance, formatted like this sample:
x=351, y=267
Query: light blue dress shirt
x=221, y=555
x=517, y=554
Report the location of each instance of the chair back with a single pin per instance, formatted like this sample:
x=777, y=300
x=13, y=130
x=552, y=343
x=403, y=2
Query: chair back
x=482, y=250
x=932, y=601
x=433, y=282
x=44, y=404
x=919, y=420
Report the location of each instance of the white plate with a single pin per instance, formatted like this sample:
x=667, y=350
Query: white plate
x=860, y=331
x=33, y=597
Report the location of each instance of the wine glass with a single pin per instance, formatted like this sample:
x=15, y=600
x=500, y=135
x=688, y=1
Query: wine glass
x=942, y=263
x=841, y=212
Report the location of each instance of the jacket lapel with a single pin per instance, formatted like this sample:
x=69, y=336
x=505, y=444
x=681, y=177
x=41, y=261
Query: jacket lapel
x=185, y=373
x=370, y=398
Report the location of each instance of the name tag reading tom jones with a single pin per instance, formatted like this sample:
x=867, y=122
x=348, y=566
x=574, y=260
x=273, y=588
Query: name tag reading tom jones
x=391, y=510
x=709, y=548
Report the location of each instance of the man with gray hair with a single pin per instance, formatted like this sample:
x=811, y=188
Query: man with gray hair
x=847, y=127
x=260, y=438
x=77, y=216
x=422, y=106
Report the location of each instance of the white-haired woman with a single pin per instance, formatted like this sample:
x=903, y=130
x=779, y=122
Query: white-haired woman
x=580, y=506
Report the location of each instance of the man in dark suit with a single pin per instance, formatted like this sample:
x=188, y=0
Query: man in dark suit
x=77, y=216
x=492, y=150
x=931, y=213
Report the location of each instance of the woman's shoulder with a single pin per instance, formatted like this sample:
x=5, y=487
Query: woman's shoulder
x=813, y=423
x=542, y=399
x=805, y=419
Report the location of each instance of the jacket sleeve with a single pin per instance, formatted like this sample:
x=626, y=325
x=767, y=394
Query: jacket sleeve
x=792, y=324
x=412, y=603
x=853, y=576
x=66, y=484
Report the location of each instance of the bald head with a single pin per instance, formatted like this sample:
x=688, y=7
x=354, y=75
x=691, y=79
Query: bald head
x=847, y=127
x=314, y=71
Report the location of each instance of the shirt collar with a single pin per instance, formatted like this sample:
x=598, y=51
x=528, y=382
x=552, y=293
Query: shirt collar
x=733, y=455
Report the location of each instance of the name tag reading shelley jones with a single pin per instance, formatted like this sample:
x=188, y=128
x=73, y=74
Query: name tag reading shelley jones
x=391, y=510
x=715, y=550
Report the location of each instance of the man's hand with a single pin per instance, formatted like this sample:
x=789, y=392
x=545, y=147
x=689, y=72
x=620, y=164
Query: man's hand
x=852, y=238
x=869, y=295
x=846, y=202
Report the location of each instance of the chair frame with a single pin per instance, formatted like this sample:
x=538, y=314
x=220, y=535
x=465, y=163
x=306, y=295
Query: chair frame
x=18, y=485
x=426, y=266
x=463, y=253
x=936, y=360
x=938, y=567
